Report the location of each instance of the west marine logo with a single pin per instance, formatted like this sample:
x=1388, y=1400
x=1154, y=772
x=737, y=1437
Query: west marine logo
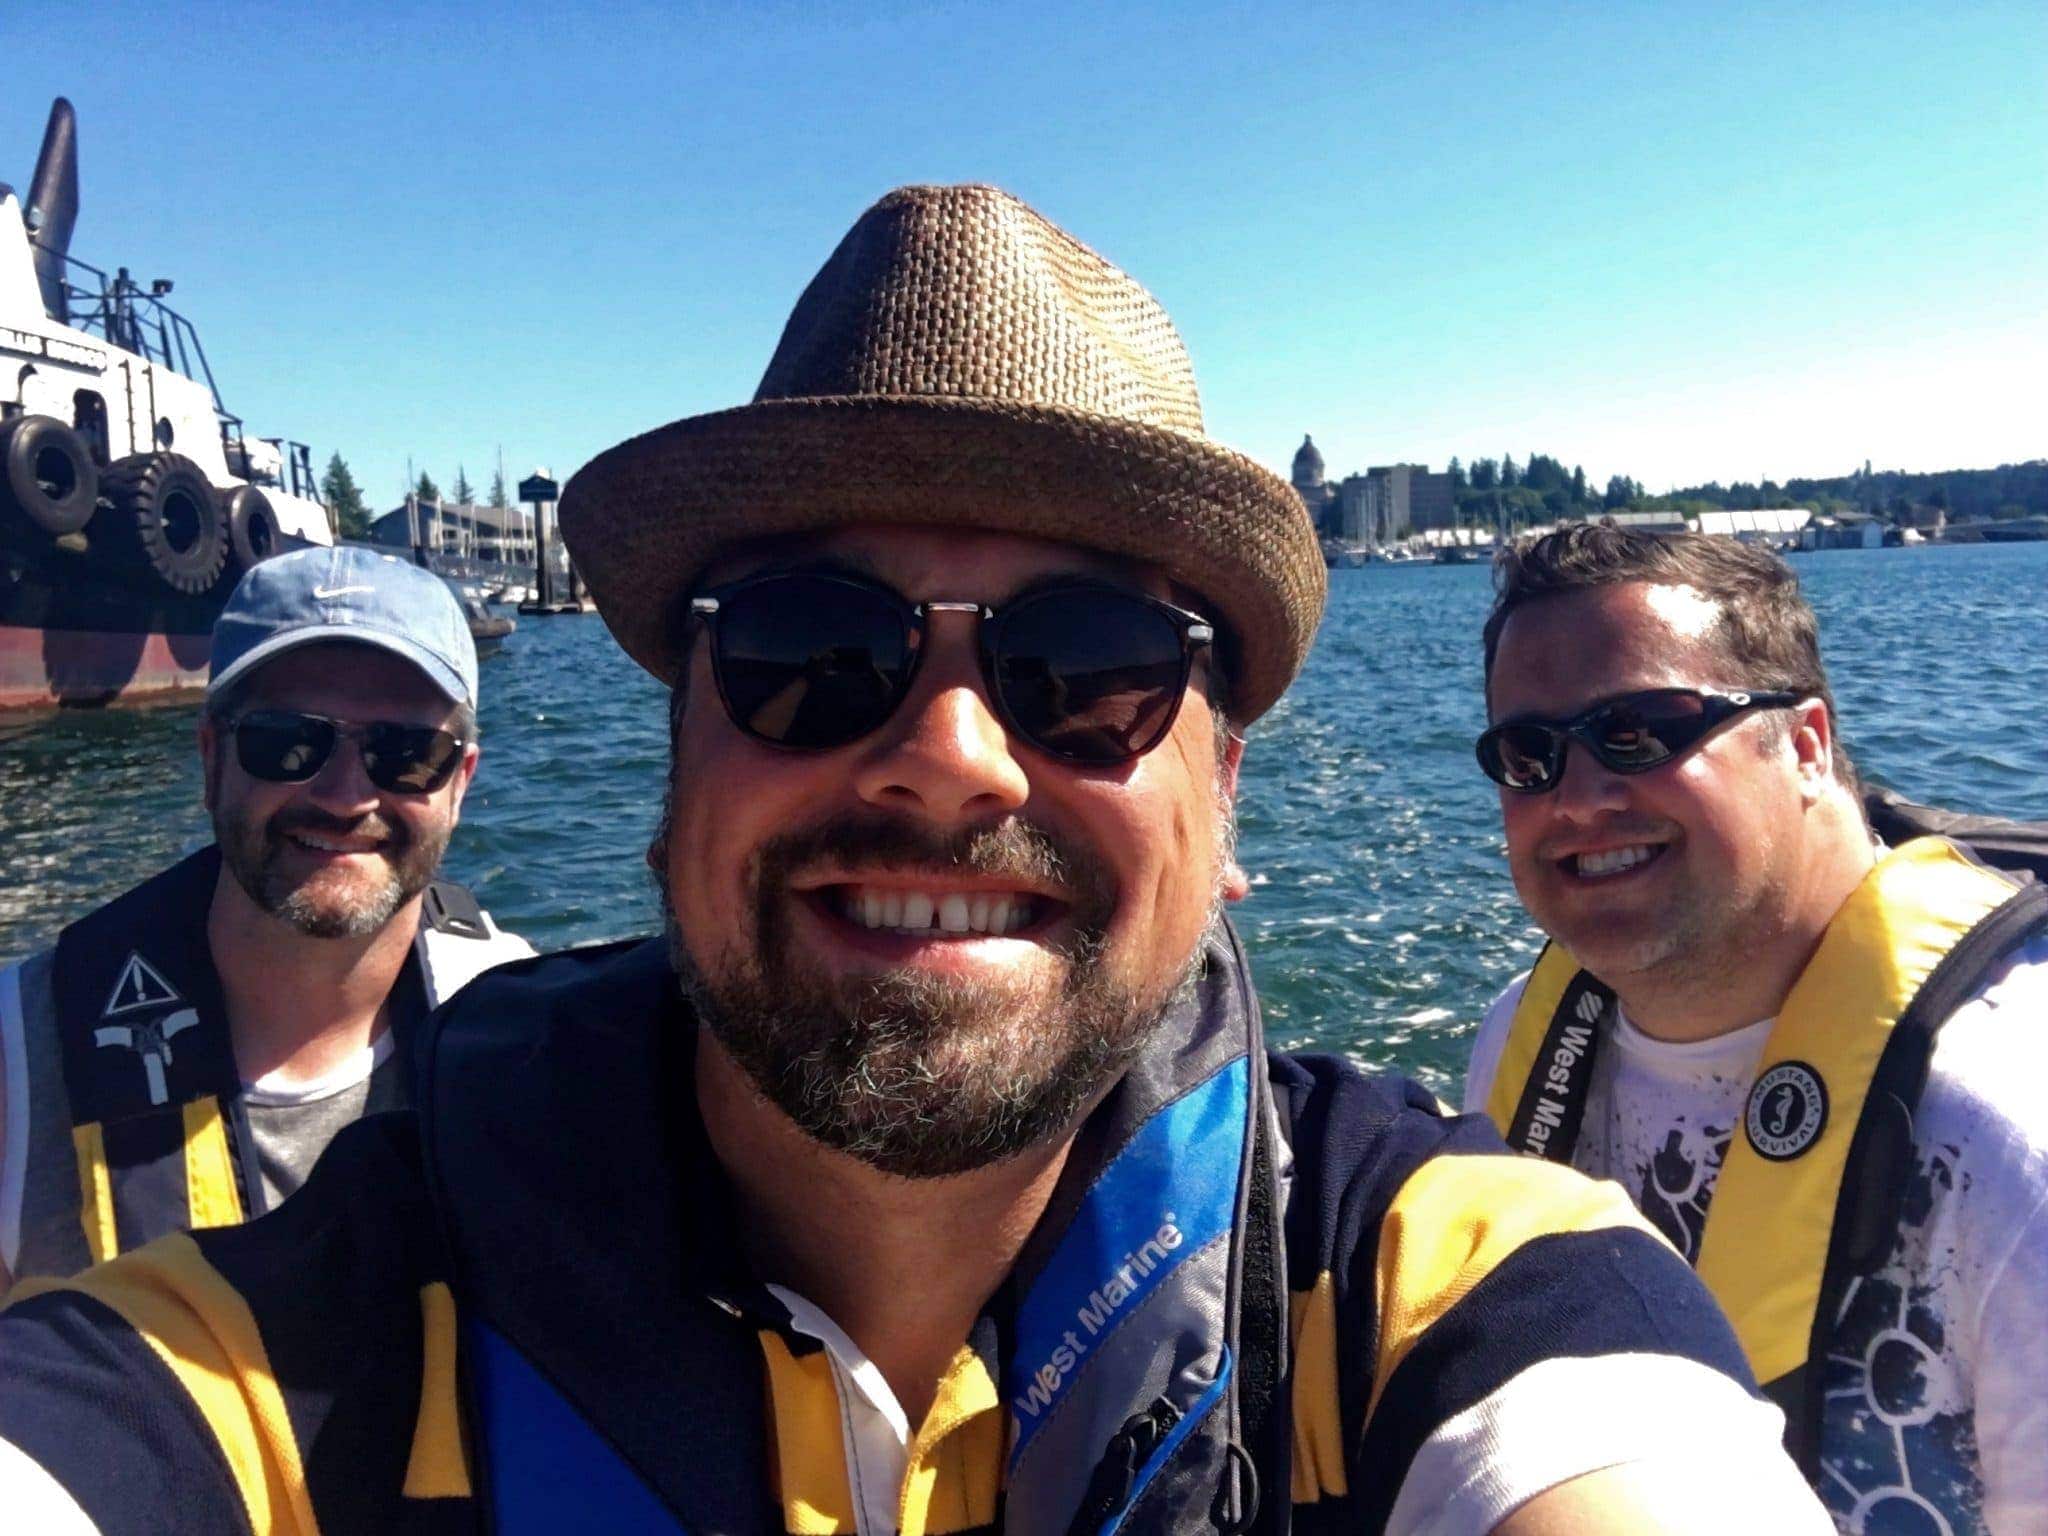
x=1572, y=1044
x=141, y=988
x=1097, y=1314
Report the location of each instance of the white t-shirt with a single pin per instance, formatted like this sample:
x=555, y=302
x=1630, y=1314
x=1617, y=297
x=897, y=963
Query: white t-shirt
x=1937, y=1406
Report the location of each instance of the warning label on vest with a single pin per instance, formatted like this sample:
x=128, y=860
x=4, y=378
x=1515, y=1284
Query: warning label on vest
x=140, y=987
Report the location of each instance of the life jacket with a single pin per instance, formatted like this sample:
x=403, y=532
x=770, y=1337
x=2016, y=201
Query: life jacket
x=1808, y=1194
x=1148, y=1344
x=158, y=1127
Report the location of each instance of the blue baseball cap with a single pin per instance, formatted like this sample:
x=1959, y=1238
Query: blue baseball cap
x=344, y=593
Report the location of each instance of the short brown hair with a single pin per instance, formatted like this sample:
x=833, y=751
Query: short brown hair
x=1766, y=628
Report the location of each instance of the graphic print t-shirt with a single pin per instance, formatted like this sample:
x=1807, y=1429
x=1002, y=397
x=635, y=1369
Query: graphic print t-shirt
x=1935, y=1421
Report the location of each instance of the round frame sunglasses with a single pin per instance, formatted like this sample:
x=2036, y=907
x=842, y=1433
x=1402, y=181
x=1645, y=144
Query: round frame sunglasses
x=289, y=746
x=1632, y=733
x=1085, y=671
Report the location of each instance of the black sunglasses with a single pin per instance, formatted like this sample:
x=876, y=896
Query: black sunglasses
x=284, y=746
x=1085, y=671
x=1630, y=734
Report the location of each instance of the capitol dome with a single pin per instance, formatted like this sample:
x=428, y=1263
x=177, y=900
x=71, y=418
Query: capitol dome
x=1308, y=463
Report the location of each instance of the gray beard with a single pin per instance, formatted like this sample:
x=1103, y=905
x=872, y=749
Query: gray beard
x=917, y=1075
x=252, y=856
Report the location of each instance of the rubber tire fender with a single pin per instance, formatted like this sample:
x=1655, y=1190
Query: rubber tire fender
x=253, y=533
x=48, y=480
x=161, y=517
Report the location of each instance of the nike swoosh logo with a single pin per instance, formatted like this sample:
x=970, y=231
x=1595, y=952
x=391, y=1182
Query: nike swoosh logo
x=327, y=592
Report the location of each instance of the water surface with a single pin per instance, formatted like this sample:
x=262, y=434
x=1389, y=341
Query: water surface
x=1381, y=919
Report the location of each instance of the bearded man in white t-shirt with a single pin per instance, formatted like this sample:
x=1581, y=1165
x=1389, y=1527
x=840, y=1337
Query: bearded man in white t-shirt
x=1813, y=1061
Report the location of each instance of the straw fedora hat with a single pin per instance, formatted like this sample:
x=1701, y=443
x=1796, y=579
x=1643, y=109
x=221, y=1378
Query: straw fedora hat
x=961, y=362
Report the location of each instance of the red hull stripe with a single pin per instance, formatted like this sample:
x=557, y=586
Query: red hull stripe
x=44, y=667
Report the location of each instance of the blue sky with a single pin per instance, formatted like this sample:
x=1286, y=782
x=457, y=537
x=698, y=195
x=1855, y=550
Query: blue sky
x=1679, y=242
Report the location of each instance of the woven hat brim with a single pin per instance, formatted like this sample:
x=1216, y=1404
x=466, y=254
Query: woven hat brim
x=644, y=519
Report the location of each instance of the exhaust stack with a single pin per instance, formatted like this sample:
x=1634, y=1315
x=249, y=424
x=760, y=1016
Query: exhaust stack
x=53, y=206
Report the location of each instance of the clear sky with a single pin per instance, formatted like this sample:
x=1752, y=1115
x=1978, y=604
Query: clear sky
x=1680, y=242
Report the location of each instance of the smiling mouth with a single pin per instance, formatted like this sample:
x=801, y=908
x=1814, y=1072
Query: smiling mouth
x=936, y=913
x=315, y=842
x=1611, y=863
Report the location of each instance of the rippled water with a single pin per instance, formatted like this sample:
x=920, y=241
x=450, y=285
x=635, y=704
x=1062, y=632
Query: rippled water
x=1381, y=919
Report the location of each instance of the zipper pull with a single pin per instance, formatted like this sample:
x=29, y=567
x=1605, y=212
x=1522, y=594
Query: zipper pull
x=1109, y=1486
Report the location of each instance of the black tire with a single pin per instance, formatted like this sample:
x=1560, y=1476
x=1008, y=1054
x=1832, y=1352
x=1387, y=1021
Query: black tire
x=162, y=519
x=48, y=481
x=252, y=525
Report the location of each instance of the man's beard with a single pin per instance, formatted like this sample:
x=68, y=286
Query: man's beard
x=916, y=1074
x=254, y=856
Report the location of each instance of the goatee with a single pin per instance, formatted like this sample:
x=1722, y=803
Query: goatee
x=917, y=1074
x=254, y=856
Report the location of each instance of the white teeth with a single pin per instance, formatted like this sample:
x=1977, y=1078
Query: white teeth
x=1613, y=860
x=954, y=912
x=323, y=844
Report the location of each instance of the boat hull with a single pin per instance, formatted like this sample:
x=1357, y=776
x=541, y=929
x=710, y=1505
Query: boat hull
x=77, y=638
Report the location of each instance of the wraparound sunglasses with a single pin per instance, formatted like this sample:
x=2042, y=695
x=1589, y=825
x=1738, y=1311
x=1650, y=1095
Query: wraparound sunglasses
x=1085, y=671
x=1630, y=734
x=287, y=746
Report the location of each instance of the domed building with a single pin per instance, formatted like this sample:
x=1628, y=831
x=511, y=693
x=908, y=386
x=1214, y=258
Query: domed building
x=1387, y=503
x=1317, y=494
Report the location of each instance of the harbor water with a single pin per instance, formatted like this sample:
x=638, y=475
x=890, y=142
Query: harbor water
x=1381, y=918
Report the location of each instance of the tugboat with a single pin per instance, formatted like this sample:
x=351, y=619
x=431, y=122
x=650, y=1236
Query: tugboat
x=131, y=500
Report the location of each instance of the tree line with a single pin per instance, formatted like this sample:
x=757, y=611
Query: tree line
x=1540, y=489
x=352, y=514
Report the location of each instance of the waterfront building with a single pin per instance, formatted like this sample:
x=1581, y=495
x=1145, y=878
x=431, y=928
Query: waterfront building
x=461, y=528
x=1388, y=502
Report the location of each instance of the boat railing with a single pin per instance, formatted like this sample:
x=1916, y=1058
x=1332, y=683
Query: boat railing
x=121, y=313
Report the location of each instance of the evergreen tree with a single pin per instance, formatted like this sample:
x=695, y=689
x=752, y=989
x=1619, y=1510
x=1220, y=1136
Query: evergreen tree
x=1578, y=483
x=465, y=493
x=498, y=496
x=1457, y=474
x=1485, y=474
x=1618, y=494
x=426, y=490
x=1509, y=475
x=344, y=500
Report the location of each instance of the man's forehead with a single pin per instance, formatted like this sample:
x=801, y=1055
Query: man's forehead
x=1564, y=649
x=926, y=563
x=342, y=670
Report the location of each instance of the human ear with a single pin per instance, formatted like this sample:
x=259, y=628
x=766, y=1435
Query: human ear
x=1813, y=747
x=1235, y=883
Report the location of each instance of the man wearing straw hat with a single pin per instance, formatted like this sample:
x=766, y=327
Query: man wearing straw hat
x=930, y=1173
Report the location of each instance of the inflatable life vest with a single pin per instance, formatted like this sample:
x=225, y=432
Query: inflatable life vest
x=1808, y=1192
x=1159, y=1261
x=157, y=1125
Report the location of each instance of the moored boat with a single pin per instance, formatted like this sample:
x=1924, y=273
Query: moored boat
x=131, y=499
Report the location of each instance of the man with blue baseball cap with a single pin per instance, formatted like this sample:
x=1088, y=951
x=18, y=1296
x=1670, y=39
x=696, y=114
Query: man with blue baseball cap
x=181, y=1057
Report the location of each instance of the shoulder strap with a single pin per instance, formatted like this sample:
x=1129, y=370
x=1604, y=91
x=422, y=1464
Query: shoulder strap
x=449, y=908
x=149, y=1067
x=1538, y=1098
x=1874, y=1183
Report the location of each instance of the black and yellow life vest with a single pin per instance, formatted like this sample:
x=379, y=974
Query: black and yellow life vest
x=525, y=1307
x=157, y=1123
x=1807, y=1195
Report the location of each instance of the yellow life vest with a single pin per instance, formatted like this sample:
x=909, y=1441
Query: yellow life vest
x=1807, y=1192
